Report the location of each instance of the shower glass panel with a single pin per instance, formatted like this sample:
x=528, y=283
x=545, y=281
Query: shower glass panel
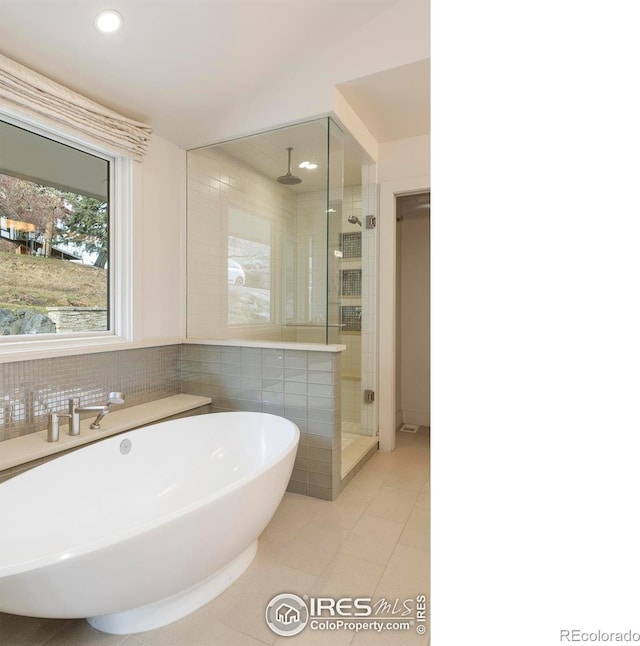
x=335, y=178
x=263, y=223
x=358, y=246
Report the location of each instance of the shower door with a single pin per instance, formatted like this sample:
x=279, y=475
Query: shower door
x=352, y=236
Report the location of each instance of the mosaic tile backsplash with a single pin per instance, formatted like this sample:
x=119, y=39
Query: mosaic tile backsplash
x=30, y=390
x=304, y=386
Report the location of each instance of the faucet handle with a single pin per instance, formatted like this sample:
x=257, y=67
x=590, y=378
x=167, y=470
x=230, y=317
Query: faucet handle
x=53, y=426
x=74, y=416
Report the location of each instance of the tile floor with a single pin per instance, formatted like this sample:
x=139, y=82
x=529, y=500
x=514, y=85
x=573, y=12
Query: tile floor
x=372, y=541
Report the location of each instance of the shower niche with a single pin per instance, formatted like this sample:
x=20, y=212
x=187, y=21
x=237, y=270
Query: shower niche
x=351, y=281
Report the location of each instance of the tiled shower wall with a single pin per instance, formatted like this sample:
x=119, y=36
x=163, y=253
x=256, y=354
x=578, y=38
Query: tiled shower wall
x=219, y=186
x=303, y=386
x=29, y=390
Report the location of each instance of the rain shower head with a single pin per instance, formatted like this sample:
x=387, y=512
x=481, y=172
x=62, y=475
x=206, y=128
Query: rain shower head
x=289, y=178
x=352, y=219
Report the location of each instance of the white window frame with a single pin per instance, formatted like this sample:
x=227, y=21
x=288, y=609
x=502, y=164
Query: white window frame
x=24, y=347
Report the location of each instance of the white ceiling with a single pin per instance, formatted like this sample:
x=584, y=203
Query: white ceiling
x=394, y=103
x=182, y=64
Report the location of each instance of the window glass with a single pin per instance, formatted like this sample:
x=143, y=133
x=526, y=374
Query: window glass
x=54, y=236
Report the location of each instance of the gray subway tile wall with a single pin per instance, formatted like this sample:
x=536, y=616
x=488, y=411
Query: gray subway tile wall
x=30, y=390
x=303, y=386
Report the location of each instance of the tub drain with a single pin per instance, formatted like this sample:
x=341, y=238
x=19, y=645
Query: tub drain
x=125, y=447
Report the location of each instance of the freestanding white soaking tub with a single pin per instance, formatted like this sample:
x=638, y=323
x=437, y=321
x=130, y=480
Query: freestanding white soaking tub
x=143, y=528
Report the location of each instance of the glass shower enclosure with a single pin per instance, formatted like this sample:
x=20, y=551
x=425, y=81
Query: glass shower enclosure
x=278, y=249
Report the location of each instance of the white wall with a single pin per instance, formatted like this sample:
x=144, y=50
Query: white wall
x=158, y=215
x=403, y=167
x=404, y=158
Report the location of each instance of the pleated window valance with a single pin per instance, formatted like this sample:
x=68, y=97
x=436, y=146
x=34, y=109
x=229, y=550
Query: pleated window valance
x=53, y=104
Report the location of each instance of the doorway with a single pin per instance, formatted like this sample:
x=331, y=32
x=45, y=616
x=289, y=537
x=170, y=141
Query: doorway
x=413, y=349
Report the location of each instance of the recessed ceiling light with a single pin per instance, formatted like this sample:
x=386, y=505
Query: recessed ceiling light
x=108, y=21
x=307, y=164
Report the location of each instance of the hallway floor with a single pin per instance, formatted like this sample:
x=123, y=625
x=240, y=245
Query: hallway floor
x=373, y=541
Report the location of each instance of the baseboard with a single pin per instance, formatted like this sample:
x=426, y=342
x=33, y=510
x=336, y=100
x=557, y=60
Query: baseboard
x=418, y=417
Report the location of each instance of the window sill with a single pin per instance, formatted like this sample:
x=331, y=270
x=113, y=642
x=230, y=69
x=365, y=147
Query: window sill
x=32, y=348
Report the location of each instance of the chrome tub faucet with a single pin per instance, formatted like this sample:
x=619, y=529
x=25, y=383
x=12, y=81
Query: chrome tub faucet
x=53, y=422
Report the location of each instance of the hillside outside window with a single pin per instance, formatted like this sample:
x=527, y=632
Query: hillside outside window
x=56, y=255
